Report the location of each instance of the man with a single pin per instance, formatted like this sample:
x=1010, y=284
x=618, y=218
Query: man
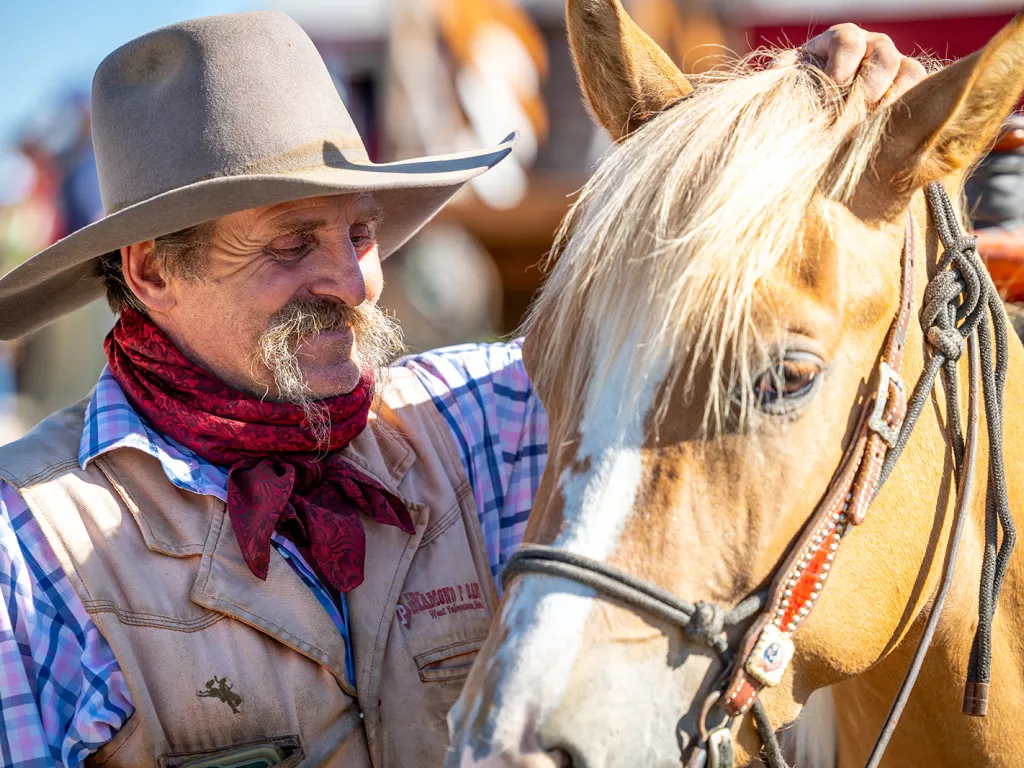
x=224, y=556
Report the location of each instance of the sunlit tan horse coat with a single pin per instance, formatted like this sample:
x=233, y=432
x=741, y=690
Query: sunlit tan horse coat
x=755, y=224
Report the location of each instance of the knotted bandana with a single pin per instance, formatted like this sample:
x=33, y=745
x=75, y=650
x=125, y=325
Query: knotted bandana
x=278, y=479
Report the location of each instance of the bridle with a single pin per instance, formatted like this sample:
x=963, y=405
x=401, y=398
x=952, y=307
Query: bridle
x=960, y=303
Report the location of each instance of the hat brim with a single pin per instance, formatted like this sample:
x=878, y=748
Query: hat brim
x=63, y=277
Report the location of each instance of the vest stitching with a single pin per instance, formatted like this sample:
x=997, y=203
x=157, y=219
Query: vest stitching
x=437, y=654
x=296, y=644
x=183, y=550
x=389, y=483
x=283, y=635
x=463, y=491
x=284, y=632
x=474, y=535
x=247, y=612
x=142, y=619
x=59, y=433
x=444, y=522
x=48, y=473
x=379, y=652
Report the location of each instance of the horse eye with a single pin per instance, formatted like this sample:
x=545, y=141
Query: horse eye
x=781, y=386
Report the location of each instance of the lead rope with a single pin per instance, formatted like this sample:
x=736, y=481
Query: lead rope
x=960, y=302
x=997, y=503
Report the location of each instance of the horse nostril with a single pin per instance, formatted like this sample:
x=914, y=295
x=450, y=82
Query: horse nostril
x=560, y=758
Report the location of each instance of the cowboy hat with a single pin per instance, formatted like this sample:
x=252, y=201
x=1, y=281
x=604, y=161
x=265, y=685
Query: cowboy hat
x=208, y=117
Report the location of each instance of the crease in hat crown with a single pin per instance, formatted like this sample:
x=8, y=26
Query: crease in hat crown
x=211, y=116
x=217, y=96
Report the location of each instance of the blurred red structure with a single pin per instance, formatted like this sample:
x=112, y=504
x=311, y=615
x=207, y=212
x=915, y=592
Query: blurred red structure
x=946, y=37
x=945, y=30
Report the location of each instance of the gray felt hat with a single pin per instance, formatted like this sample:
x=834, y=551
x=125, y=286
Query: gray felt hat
x=208, y=117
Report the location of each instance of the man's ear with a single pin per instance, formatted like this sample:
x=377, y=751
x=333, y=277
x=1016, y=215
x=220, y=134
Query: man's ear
x=944, y=123
x=144, y=278
x=626, y=78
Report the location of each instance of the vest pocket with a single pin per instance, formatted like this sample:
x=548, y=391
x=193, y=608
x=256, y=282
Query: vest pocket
x=450, y=663
x=281, y=752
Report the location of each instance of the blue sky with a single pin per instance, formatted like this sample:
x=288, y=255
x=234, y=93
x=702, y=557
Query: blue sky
x=48, y=46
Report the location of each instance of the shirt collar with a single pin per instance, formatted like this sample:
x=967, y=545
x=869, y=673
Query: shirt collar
x=111, y=422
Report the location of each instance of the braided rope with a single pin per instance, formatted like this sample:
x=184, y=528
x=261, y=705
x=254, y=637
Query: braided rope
x=961, y=301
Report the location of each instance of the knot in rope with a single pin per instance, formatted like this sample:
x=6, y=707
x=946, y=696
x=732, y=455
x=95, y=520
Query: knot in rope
x=955, y=299
x=706, y=624
x=947, y=341
x=960, y=301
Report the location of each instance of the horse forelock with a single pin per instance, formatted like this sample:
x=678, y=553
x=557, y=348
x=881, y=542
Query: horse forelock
x=664, y=251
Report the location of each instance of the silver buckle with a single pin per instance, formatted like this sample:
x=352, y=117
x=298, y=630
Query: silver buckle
x=876, y=423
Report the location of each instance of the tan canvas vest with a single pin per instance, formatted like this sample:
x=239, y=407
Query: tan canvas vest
x=216, y=659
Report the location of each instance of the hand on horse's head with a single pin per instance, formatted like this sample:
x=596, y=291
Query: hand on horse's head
x=627, y=79
x=847, y=52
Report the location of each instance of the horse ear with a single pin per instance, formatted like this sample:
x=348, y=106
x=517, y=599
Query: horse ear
x=625, y=76
x=945, y=122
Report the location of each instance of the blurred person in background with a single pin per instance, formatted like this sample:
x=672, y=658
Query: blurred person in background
x=58, y=195
x=255, y=542
x=29, y=221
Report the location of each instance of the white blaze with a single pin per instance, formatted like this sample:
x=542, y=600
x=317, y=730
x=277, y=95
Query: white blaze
x=545, y=616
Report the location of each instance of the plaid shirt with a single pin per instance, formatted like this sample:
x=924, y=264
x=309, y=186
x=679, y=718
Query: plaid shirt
x=62, y=694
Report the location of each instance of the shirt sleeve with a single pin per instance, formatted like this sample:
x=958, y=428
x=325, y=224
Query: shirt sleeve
x=62, y=694
x=500, y=429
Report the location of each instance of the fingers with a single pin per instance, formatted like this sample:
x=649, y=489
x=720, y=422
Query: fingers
x=910, y=74
x=880, y=67
x=842, y=48
x=849, y=51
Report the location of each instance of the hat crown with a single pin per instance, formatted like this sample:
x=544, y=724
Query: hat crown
x=244, y=93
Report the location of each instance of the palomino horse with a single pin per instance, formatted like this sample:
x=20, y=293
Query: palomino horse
x=719, y=349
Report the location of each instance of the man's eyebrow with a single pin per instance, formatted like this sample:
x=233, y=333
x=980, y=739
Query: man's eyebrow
x=300, y=226
x=372, y=214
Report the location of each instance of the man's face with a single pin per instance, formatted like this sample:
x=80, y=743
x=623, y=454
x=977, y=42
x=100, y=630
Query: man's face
x=298, y=280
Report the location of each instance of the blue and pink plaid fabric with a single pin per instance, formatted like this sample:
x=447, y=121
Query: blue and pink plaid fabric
x=62, y=694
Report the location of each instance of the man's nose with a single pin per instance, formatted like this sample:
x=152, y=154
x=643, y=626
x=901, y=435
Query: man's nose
x=339, y=275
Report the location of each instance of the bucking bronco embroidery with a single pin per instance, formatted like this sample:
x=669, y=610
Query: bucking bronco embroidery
x=220, y=688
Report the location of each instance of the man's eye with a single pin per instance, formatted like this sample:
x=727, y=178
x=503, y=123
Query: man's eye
x=361, y=236
x=288, y=245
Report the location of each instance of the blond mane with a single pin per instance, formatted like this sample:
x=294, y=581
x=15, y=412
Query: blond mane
x=663, y=251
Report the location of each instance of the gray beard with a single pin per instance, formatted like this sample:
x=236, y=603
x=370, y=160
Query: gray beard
x=378, y=341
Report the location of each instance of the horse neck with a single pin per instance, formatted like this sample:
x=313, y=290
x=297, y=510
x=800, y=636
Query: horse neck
x=933, y=731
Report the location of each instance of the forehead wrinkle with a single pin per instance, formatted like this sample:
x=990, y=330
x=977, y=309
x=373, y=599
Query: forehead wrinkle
x=301, y=222
x=299, y=226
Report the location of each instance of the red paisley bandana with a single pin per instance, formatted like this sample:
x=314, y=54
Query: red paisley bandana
x=278, y=480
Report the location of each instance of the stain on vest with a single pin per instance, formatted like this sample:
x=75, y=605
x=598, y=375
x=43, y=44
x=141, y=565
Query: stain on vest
x=220, y=688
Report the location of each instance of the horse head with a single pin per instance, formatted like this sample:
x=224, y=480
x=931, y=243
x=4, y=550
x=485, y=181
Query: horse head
x=705, y=347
